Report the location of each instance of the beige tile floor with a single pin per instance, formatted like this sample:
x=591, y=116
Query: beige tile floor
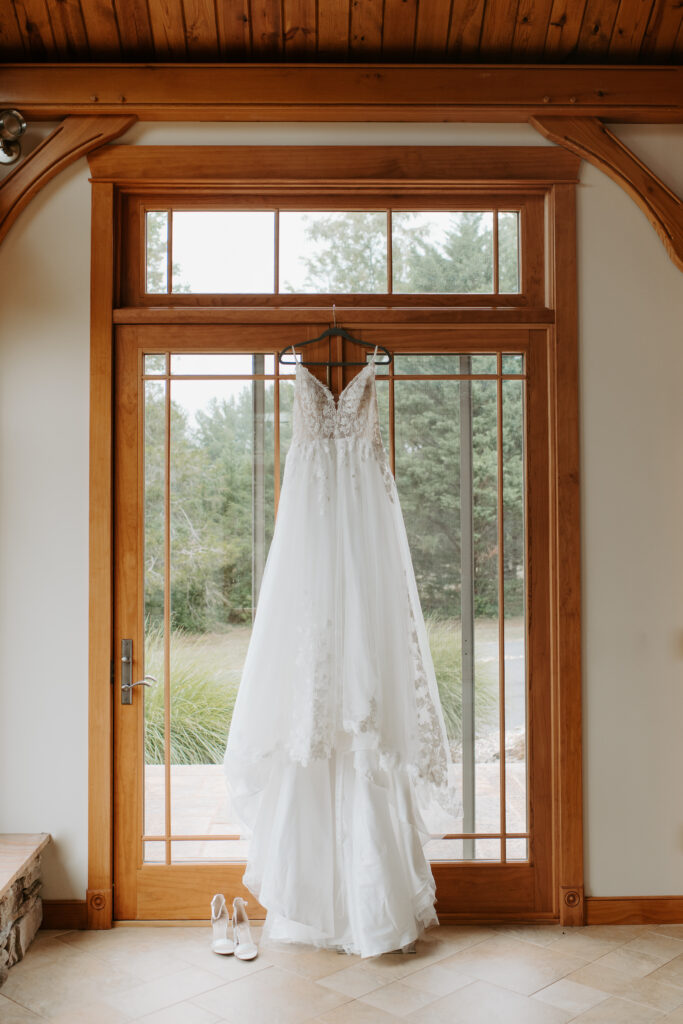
x=535, y=974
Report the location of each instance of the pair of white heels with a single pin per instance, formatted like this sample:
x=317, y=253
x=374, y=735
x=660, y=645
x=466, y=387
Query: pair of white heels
x=242, y=944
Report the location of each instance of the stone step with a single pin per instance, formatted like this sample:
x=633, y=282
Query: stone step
x=21, y=908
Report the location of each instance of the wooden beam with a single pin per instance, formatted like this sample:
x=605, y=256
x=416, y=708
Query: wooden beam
x=74, y=137
x=591, y=140
x=343, y=92
x=374, y=167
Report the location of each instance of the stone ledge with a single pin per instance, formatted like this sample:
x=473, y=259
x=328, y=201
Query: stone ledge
x=20, y=903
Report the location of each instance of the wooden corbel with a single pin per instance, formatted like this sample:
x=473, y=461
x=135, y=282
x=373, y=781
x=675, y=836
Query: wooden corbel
x=74, y=137
x=592, y=141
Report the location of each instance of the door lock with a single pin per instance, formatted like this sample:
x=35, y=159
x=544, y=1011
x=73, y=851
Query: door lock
x=127, y=673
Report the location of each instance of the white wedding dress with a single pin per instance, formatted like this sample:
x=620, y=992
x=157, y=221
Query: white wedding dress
x=337, y=743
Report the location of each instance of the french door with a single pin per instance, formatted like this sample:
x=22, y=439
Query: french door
x=202, y=427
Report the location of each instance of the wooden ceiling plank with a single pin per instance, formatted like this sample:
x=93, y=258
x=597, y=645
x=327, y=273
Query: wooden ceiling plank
x=233, y=18
x=498, y=29
x=68, y=28
x=333, y=27
x=465, y=29
x=167, y=24
x=629, y=29
x=11, y=40
x=588, y=138
x=36, y=29
x=531, y=29
x=266, y=28
x=564, y=27
x=662, y=29
x=596, y=31
x=134, y=29
x=102, y=29
x=201, y=30
x=431, y=34
x=343, y=91
x=300, y=30
x=365, y=35
x=398, y=35
x=73, y=138
x=677, y=52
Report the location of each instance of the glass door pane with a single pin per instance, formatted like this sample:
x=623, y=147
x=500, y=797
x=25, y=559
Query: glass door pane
x=217, y=427
x=209, y=516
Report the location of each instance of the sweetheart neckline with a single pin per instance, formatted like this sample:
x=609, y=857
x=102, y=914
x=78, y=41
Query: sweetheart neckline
x=327, y=390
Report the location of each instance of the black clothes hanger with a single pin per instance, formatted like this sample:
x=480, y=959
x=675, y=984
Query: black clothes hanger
x=334, y=332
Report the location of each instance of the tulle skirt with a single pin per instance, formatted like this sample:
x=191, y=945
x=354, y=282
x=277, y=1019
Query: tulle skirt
x=337, y=743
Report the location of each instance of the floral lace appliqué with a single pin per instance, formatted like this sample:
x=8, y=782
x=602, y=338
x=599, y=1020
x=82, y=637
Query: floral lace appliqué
x=346, y=431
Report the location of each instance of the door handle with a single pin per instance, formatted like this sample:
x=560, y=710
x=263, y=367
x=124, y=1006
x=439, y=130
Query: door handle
x=127, y=673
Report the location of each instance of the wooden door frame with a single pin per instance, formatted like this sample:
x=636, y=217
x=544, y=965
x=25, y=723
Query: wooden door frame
x=559, y=319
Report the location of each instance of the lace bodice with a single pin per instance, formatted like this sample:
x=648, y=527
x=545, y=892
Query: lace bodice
x=317, y=416
x=347, y=430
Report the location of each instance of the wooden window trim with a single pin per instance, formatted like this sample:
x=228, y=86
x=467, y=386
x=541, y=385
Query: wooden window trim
x=557, y=328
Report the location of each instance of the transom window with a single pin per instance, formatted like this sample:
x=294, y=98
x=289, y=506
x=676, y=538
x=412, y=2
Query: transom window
x=357, y=248
x=449, y=251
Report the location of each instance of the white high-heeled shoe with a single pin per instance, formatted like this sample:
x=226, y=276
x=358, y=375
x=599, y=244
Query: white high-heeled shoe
x=220, y=942
x=245, y=947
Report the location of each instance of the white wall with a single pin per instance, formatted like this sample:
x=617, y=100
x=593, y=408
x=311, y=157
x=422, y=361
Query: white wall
x=44, y=367
x=631, y=309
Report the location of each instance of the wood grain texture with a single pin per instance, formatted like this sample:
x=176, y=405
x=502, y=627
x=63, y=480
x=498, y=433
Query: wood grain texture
x=531, y=28
x=333, y=28
x=134, y=28
x=201, y=29
x=372, y=166
x=75, y=137
x=594, y=142
x=634, y=910
x=629, y=27
x=100, y=722
x=233, y=19
x=564, y=27
x=167, y=22
x=128, y=778
x=566, y=548
x=398, y=35
x=11, y=39
x=659, y=41
x=498, y=28
x=356, y=92
x=365, y=32
x=596, y=30
x=629, y=32
x=445, y=316
x=34, y=24
x=431, y=30
x=68, y=28
x=300, y=33
x=266, y=29
x=465, y=28
x=102, y=29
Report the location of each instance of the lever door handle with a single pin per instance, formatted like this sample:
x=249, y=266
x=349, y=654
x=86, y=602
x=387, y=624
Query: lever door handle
x=140, y=682
x=127, y=683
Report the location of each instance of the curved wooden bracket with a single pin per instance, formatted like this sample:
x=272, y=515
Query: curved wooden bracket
x=591, y=140
x=74, y=137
